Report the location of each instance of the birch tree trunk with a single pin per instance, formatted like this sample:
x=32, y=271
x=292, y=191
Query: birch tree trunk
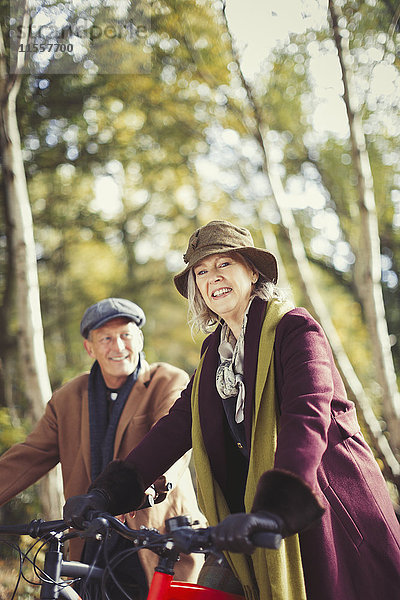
x=32, y=357
x=305, y=278
x=7, y=343
x=368, y=263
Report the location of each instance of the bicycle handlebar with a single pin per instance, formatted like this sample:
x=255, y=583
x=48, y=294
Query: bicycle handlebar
x=185, y=538
x=189, y=540
x=36, y=528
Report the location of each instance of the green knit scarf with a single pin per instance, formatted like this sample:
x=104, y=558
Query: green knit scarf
x=271, y=574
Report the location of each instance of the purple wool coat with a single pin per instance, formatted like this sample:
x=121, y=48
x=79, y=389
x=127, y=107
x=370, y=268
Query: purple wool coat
x=353, y=551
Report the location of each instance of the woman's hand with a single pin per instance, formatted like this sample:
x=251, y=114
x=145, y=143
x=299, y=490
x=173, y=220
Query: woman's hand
x=234, y=533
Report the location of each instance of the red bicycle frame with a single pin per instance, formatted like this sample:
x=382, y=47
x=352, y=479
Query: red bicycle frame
x=164, y=588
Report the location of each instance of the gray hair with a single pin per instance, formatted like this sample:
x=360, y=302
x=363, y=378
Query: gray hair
x=201, y=318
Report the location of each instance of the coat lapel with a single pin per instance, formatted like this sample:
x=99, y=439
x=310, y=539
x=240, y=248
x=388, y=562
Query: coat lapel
x=130, y=409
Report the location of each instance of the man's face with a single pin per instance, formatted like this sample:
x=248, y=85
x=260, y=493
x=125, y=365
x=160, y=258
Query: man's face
x=116, y=347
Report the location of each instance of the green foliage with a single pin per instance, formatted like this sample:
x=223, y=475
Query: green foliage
x=145, y=133
x=141, y=133
x=122, y=167
x=9, y=433
x=25, y=506
x=322, y=161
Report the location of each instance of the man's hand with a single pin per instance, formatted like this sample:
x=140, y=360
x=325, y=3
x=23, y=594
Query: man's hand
x=77, y=508
x=156, y=493
x=234, y=533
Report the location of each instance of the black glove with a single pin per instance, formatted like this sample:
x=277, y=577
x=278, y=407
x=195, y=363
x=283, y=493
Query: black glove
x=117, y=490
x=287, y=496
x=76, y=508
x=234, y=533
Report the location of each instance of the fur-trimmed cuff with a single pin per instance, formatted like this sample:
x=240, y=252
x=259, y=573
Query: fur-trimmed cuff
x=123, y=486
x=289, y=497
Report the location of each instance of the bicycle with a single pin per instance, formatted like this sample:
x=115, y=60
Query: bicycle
x=182, y=537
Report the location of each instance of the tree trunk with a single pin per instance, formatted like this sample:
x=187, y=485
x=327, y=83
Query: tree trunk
x=7, y=342
x=368, y=263
x=32, y=357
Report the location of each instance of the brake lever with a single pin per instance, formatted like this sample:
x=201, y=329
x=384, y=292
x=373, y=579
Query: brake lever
x=98, y=528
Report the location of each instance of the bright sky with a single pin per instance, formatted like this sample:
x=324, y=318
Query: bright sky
x=259, y=24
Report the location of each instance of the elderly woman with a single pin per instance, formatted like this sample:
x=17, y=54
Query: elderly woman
x=276, y=442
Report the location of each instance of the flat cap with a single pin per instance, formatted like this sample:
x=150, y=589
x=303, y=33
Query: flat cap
x=110, y=308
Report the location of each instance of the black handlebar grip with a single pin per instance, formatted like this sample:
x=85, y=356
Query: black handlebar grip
x=267, y=539
x=36, y=528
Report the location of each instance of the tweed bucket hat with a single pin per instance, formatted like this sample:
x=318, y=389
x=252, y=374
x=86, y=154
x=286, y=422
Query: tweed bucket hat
x=218, y=237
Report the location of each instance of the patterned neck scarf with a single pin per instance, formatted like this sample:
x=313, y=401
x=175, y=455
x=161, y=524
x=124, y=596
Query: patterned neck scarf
x=229, y=377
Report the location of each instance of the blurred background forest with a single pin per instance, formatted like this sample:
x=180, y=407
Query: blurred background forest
x=121, y=167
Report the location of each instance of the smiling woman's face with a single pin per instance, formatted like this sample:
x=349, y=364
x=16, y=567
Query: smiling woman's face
x=225, y=284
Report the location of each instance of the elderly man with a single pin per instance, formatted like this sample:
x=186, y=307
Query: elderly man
x=102, y=415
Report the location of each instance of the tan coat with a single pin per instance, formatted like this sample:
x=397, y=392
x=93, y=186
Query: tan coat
x=62, y=435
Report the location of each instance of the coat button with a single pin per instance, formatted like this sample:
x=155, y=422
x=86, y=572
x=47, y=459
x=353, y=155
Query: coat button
x=239, y=445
